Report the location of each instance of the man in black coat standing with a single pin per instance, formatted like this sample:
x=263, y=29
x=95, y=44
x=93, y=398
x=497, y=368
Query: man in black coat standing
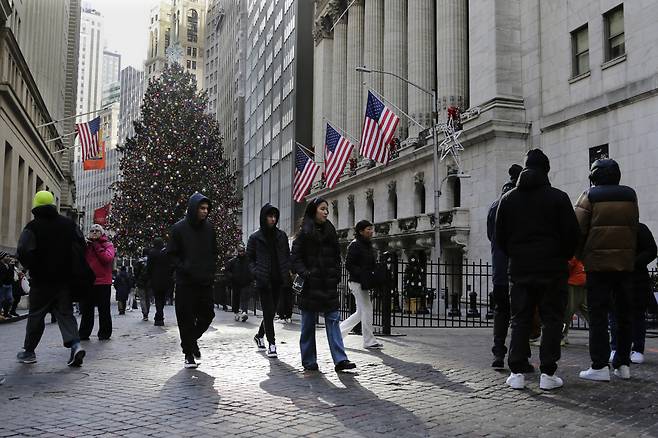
x=239, y=277
x=536, y=228
x=159, y=272
x=269, y=262
x=193, y=251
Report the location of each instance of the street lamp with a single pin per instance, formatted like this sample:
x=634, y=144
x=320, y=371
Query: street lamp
x=435, y=157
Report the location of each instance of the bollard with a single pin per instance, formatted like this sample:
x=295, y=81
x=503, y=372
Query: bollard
x=454, y=304
x=473, y=311
x=490, y=308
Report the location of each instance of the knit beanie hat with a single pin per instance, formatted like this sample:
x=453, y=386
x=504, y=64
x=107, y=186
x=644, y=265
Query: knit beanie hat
x=42, y=198
x=536, y=159
x=362, y=225
x=98, y=227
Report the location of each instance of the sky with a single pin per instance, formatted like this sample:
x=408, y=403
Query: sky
x=126, y=28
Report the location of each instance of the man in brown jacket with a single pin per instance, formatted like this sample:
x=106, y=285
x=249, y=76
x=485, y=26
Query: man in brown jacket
x=608, y=217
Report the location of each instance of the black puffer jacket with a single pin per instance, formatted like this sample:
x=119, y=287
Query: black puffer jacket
x=193, y=246
x=263, y=247
x=645, y=254
x=316, y=257
x=536, y=226
x=360, y=262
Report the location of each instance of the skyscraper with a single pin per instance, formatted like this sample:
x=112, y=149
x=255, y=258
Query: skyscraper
x=132, y=92
x=188, y=24
x=159, y=39
x=90, y=68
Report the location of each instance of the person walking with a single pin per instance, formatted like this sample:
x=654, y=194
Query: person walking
x=608, y=217
x=537, y=229
x=20, y=287
x=6, y=285
x=269, y=262
x=577, y=297
x=193, y=251
x=239, y=277
x=100, y=256
x=499, y=262
x=160, y=277
x=645, y=254
x=122, y=288
x=360, y=263
x=143, y=289
x=316, y=258
x=46, y=250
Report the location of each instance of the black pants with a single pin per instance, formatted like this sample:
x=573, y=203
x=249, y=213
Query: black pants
x=604, y=289
x=160, y=296
x=194, y=311
x=240, y=298
x=500, y=297
x=99, y=296
x=641, y=291
x=145, y=295
x=17, y=293
x=284, y=309
x=269, y=298
x=58, y=301
x=550, y=293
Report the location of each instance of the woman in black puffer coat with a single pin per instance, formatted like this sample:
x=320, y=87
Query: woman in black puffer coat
x=316, y=258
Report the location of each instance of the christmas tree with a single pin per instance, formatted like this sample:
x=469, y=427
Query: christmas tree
x=176, y=151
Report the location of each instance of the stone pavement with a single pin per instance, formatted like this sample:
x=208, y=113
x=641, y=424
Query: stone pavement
x=433, y=382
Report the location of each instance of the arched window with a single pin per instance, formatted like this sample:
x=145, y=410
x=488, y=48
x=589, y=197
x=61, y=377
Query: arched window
x=192, y=25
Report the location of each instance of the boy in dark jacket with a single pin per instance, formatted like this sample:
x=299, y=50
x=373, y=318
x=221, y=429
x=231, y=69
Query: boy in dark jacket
x=269, y=262
x=193, y=251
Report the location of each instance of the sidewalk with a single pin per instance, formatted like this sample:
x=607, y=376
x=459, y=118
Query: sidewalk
x=433, y=382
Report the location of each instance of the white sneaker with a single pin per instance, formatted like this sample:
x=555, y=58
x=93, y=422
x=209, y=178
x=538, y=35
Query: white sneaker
x=637, y=357
x=612, y=356
x=550, y=382
x=516, y=381
x=602, y=375
x=244, y=317
x=236, y=316
x=271, y=351
x=623, y=372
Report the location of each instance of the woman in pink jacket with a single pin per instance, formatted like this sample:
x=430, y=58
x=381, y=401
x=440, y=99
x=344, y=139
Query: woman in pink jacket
x=100, y=256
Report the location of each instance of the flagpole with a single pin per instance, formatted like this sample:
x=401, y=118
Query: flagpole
x=73, y=116
x=341, y=131
x=341, y=15
x=397, y=108
x=306, y=149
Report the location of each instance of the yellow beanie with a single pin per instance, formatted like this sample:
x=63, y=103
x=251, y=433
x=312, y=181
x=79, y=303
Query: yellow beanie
x=43, y=198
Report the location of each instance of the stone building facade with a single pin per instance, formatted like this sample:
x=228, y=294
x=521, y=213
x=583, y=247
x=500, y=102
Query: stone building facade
x=576, y=79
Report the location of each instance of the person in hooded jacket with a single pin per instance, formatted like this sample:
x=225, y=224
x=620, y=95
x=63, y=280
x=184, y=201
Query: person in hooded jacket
x=193, y=251
x=269, y=262
x=536, y=228
x=316, y=258
x=360, y=263
x=499, y=262
x=608, y=216
x=645, y=254
x=45, y=249
x=239, y=277
x=122, y=288
x=100, y=256
x=159, y=272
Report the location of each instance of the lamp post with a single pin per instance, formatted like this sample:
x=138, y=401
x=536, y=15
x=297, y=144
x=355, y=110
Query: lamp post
x=435, y=155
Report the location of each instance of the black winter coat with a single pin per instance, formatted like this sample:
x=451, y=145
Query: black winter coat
x=645, y=253
x=160, y=270
x=122, y=286
x=238, y=273
x=360, y=262
x=499, y=261
x=261, y=263
x=193, y=247
x=536, y=226
x=316, y=257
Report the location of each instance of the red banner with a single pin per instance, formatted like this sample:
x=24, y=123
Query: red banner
x=96, y=163
x=101, y=214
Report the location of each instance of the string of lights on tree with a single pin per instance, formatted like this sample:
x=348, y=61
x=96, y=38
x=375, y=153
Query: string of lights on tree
x=176, y=151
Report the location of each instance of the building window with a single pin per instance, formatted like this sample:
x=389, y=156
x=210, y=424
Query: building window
x=193, y=65
x=597, y=153
x=189, y=64
x=392, y=201
x=192, y=25
x=189, y=51
x=419, y=197
x=614, y=33
x=580, y=50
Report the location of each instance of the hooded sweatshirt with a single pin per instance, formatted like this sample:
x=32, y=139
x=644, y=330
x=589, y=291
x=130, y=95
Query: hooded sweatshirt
x=193, y=246
x=268, y=252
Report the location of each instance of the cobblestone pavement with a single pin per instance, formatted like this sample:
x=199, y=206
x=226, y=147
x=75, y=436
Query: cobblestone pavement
x=433, y=382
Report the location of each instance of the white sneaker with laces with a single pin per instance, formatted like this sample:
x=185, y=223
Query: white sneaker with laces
x=612, y=356
x=623, y=372
x=602, y=375
x=637, y=357
x=547, y=382
x=271, y=351
x=516, y=381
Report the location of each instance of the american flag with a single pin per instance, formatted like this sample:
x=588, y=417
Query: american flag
x=88, y=133
x=337, y=150
x=305, y=171
x=378, y=128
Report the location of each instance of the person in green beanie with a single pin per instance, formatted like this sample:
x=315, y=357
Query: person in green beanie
x=45, y=249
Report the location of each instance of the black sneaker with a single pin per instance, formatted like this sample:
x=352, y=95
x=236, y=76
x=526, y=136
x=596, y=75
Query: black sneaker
x=498, y=363
x=190, y=362
x=344, y=365
x=77, y=355
x=27, y=357
x=158, y=323
x=197, y=354
x=311, y=367
x=259, y=342
x=145, y=318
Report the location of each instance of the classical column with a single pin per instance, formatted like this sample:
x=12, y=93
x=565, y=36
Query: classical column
x=452, y=54
x=355, y=100
x=395, y=57
x=339, y=73
x=421, y=62
x=373, y=51
x=322, y=79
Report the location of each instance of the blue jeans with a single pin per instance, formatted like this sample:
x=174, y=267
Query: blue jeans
x=307, y=338
x=6, y=296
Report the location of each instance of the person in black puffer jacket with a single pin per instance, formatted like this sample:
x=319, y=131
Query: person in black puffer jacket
x=361, y=263
x=269, y=263
x=316, y=258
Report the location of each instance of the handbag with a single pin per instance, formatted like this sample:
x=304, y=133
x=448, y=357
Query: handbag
x=25, y=285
